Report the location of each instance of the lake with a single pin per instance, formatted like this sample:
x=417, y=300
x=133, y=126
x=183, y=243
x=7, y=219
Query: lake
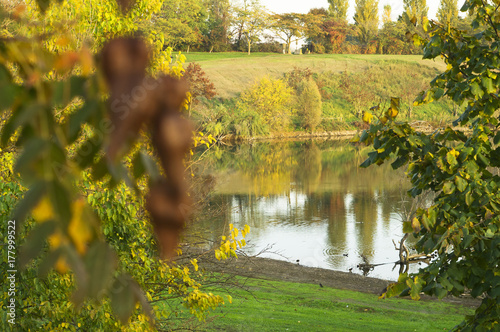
x=308, y=202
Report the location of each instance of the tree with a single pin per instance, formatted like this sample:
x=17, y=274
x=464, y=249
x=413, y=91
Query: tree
x=338, y=9
x=386, y=16
x=416, y=9
x=216, y=31
x=199, y=84
x=462, y=226
x=287, y=27
x=180, y=21
x=392, y=39
x=309, y=104
x=366, y=19
x=448, y=12
x=251, y=20
x=291, y=27
x=326, y=34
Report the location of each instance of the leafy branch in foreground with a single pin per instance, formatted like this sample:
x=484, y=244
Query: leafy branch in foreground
x=75, y=172
x=460, y=165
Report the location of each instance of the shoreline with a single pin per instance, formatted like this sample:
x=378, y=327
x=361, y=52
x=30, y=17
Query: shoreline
x=278, y=270
x=329, y=135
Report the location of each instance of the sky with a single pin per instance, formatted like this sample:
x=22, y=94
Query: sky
x=301, y=6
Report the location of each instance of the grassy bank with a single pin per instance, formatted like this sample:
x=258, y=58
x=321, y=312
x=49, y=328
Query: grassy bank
x=233, y=72
x=348, y=84
x=286, y=306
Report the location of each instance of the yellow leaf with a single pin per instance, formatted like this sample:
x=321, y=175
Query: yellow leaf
x=86, y=61
x=56, y=239
x=43, y=211
x=392, y=112
x=195, y=264
x=367, y=117
x=78, y=229
x=61, y=266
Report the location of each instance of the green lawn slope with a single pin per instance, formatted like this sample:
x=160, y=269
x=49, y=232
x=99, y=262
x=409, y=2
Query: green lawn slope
x=286, y=306
x=232, y=72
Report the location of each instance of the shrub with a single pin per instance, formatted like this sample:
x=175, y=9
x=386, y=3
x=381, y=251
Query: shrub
x=309, y=104
x=271, y=99
x=199, y=84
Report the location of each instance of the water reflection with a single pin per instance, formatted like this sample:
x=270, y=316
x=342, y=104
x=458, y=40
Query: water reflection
x=311, y=201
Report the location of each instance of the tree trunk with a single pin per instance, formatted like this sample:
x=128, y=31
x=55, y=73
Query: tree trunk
x=188, y=49
x=249, y=44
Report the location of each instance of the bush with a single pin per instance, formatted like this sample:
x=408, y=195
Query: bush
x=199, y=84
x=271, y=99
x=309, y=104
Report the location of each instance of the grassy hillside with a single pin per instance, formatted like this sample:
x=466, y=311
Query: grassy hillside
x=349, y=84
x=233, y=72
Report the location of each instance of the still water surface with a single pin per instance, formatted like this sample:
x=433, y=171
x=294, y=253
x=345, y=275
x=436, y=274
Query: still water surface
x=310, y=202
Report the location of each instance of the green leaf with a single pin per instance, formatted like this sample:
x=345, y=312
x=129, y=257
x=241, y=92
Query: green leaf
x=123, y=298
x=460, y=183
x=440, y=292
x=476, y=90
x=469, y=199
x=65, y=91
x=488, y=85
x=87, y=151
x=401, y=161
x=451, y=159
x=29, y=201
x=496, y=140
x=80, y=273
x=449, y=188
x=35, y=241
x=150, y=166
x=415, y=287
x=48, y=262
x=395, y=289
x=60, y=200
x=43, y=5
x=407, y=227
x=138, y=168
x=101, y=263
x=26, y=164
x=438, y=93
x=78, y=118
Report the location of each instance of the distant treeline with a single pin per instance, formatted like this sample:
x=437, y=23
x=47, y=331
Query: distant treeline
x=246, y=25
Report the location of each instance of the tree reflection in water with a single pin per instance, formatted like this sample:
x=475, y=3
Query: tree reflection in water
x=310, y=199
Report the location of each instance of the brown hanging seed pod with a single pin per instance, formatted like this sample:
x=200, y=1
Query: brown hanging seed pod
x=136, y=100
x=132, y=96
x=169, y=211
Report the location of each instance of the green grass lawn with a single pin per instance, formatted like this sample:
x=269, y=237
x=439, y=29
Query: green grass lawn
x=286, y=306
